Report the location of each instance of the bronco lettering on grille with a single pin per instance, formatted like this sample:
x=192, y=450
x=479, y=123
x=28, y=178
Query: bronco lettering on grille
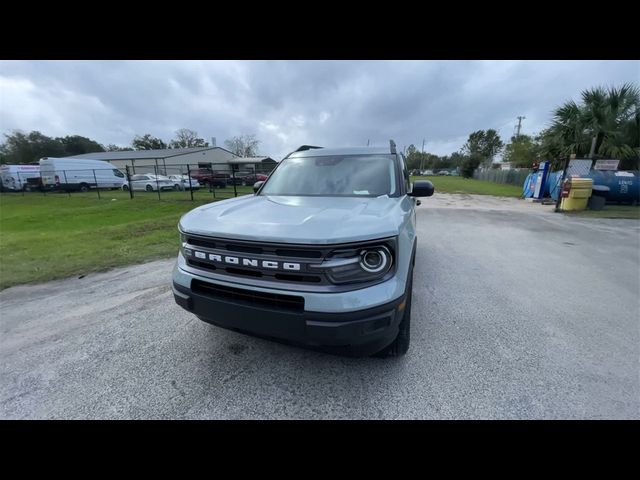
x=249, y=262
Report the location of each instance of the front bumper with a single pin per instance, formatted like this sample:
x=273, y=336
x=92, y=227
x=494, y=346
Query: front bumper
x=314, y=301
x=359, y=333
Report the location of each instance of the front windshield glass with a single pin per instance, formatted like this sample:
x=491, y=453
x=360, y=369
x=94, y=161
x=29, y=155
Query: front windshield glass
x=348, y=176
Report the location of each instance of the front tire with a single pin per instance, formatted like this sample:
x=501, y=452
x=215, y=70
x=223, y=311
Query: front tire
x=149, y=188
x=84, y=187
x=400, y=345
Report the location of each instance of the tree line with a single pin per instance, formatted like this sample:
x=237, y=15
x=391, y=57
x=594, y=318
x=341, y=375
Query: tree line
x=19, y=147
x=604, y=124
x=480, y=149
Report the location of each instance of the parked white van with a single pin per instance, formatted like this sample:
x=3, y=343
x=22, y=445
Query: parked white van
x=14, y=177
x=79, y=174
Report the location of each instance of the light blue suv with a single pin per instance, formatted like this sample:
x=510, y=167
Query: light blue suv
x=322, y=255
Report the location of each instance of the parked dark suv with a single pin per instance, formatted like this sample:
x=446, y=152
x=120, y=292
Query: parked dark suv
x=238, y=178
x=210, y=178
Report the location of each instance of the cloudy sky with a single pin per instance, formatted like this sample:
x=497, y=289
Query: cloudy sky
x=289, y=103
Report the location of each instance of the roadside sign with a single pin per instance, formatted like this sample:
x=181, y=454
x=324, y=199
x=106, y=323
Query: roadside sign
x=606, y=164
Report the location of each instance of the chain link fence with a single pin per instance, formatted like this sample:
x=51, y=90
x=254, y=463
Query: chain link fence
x=515, y=176
x=193, y=182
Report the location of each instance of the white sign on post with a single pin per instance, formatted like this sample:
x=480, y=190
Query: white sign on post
x=606, y=164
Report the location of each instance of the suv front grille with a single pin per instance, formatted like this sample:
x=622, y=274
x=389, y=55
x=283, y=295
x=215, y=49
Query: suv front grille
x=267, y=263
x=198, y=242
x=296, y=258
x=284, y=277
x=248, y=297
x=299, y=253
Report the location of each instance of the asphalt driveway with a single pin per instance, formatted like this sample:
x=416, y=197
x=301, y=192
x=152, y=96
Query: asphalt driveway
x=518, y=313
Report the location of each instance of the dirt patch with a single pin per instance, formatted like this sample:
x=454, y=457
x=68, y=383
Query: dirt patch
x=484, y=202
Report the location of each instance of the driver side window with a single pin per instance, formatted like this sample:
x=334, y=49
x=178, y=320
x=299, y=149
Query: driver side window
x=405, y=174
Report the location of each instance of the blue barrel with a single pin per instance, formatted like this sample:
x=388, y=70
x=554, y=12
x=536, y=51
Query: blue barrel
x=624, y=185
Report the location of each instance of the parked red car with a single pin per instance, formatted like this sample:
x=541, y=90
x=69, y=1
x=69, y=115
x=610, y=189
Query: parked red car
x=249, y=180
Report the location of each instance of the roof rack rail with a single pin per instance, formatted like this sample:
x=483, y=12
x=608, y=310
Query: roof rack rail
x=392, y=144
x=302, y=148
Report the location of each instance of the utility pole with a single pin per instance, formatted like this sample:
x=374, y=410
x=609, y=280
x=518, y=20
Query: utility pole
x=422, y=158
x=367, y=142
x=520, y=118
x=592, y=152
x=564, y=176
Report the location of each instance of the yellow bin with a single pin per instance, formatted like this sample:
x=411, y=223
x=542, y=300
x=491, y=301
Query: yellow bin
x=578, y=195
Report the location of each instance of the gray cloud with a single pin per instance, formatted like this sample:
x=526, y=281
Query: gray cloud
x=288, y=103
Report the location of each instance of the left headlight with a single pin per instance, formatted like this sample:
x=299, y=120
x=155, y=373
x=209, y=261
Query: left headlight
x=359, y=264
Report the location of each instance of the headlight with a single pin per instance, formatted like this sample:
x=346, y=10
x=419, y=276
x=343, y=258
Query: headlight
x=375, y=260
x=364, y=263
x=183, y=238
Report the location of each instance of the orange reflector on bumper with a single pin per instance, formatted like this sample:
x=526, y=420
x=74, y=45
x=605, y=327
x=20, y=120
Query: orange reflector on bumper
x=402, y=305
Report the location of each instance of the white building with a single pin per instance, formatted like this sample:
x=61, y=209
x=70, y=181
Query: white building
x=175, y=160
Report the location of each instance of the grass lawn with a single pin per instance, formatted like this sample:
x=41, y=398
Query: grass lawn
x=57, y=236
x=610, y=211
x=454, y=184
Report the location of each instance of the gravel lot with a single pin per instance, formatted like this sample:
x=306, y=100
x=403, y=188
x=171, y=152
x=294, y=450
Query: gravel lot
x=518, y=313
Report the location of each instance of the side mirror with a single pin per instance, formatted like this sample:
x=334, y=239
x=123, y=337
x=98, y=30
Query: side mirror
x=422, y=188
x=257, y=185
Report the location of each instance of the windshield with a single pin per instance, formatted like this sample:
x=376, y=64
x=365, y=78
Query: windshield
x=349, y=176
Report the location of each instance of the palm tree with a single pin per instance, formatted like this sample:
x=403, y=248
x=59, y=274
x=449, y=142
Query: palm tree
x=606, y=123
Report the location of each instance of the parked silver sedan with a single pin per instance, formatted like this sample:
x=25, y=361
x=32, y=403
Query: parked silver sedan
x=149, y=182
x=181, y=182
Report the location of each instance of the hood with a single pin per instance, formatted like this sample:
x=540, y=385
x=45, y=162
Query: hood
x=291, y=219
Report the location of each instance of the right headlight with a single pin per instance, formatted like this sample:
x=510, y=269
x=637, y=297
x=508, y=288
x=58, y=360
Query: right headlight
x=359, y=264
x=375, y=260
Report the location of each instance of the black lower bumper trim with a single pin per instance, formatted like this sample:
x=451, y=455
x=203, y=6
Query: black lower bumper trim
x=359, y=333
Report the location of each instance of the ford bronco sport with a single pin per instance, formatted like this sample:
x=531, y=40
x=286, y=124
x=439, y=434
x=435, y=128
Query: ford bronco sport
x=322, y=255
